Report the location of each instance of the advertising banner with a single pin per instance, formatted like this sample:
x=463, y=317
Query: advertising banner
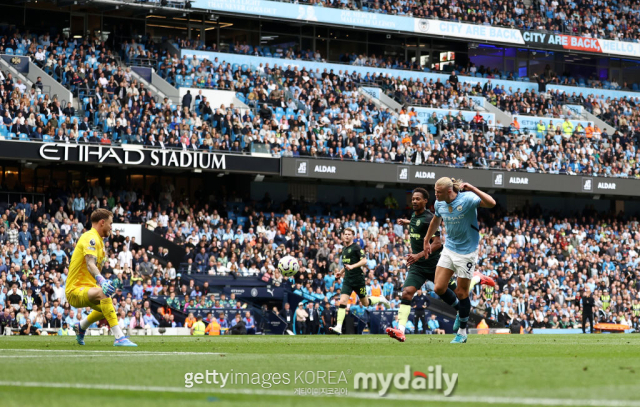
x=424, y=113
x=531, y=122
x=561, y=42
x=468, y=31
x=375, y=92
x=415, y=175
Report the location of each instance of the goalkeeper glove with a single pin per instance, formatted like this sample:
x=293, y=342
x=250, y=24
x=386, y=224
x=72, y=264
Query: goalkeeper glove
x=107, y=287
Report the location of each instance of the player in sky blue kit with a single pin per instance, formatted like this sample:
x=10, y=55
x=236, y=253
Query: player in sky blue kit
x=456, y=205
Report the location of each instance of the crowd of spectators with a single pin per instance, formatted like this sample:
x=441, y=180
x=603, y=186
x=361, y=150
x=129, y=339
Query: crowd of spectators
x=293, y=52
x=321, y=114
x=542, y=262
x=587, y=18
x=36, y=244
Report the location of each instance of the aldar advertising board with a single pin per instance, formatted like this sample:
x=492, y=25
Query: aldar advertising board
x=415, y=175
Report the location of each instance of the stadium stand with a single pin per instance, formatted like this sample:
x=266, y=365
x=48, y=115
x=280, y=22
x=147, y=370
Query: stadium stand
x=540, y=261
x=599, y=21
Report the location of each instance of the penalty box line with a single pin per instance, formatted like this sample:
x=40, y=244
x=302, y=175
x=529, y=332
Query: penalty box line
x=112, y=352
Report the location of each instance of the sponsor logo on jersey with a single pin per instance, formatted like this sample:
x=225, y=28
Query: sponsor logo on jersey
x=92, y=242
x=459, y=208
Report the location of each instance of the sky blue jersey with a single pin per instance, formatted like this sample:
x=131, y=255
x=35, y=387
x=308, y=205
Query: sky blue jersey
x=461, y=222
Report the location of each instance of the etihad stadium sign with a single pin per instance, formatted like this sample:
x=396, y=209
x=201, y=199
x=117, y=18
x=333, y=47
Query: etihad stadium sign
x=134, y=156
x=139, y=156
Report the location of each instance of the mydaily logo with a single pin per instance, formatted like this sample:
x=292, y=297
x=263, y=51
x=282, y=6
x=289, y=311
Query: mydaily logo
x=434, y=379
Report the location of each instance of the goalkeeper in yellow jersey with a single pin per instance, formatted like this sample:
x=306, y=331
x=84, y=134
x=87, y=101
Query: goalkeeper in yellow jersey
x=86, y=287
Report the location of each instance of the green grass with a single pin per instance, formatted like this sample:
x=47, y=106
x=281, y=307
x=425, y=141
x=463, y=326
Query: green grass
x=511, y=369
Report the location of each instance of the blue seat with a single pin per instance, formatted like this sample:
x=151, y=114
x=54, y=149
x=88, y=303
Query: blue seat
x=9, y=51
x=24, y=137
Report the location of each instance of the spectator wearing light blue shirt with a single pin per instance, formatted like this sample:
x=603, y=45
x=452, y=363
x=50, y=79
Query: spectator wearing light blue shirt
x=329, y=279
x=149, y=320
x=138, y=291
x=434, y=325
x=78, y=207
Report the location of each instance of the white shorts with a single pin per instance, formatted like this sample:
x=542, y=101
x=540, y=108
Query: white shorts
x=463, y=265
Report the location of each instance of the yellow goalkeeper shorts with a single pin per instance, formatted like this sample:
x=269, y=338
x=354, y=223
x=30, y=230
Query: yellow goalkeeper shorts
x=79, y=298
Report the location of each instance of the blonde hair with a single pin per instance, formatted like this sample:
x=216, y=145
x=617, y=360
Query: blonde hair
x=446, y=182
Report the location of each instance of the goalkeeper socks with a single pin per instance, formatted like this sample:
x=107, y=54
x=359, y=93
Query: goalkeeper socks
x=92, y=318
x=450, y=298
x=109, y=312
x=117, y=331
x=465, y=310
x=403, y=314
x=342, y=310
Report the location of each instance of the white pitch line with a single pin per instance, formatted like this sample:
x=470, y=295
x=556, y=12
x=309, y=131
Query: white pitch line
x=113, y=352
x=354, y=395
x=80, y=355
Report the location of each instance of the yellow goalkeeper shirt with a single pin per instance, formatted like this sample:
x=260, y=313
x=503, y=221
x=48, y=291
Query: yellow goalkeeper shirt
x=90, y=243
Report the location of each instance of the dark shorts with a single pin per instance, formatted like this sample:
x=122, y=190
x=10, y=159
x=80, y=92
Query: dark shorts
x=357, y=284
x=418, y=275
x=421, y=272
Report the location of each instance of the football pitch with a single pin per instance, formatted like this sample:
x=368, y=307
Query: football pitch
x=551, y=370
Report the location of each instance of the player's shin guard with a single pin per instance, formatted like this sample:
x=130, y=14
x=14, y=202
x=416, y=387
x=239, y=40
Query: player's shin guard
x=450, y=298
x=342, y=311
x=465, y=310
x=403, y=314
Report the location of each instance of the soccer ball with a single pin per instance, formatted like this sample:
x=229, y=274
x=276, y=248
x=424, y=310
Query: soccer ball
x=288, y=266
